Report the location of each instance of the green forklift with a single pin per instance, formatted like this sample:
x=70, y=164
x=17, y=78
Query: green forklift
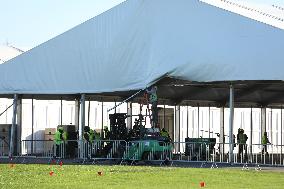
x=144, y=144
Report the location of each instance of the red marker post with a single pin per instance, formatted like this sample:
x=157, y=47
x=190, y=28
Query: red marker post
x=12, y=165
x=202, y=184
x=100, y=173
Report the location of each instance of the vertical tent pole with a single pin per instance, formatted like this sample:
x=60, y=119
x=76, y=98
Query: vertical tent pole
x=263, y=121
x=32, y=144
x=165, y=117
x=251, y=129
x=231, y=123
x=187, y=121
x=177, y=126
x=102, y=129
x=82, y=124
x=129, y=113
x=89, y=109
x=11, y=149
x=222, y=141
x=209, y=116
x=77, y=114
x=271, y=134
x=61, y=112
x=19, y=125
x=198, y=121
x=281, y=135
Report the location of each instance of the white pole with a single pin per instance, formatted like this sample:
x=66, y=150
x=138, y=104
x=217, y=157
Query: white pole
x=251, y=128
x=231, y=123
x=209, y=116
x=187, y=121
x=198, y=121
x=61, y=112
x=11, y=151
x=102, y=129
x=281, y=134
x=32, y=144
x=89, y=110
x=82, y=125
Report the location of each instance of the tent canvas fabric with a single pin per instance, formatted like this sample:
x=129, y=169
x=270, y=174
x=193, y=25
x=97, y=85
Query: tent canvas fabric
x=138, y=42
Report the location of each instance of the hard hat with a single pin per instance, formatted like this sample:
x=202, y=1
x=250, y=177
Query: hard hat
x=86, y=128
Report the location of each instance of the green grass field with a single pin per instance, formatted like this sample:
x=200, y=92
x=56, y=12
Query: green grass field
x=76, y=176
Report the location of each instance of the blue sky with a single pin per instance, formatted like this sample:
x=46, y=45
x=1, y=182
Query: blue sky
x=27, y=23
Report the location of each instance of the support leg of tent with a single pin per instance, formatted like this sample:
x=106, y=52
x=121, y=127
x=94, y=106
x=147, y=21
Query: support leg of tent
x=263, y=121
x=222, y=138
x=82, y=124
x=14, y=118
x=129, y=113
x=19, y=125
x=187, y=121
x=177, y=126
x=32, y=143
x=209, y=116
x=102, y=128
x=231, y=123
x=281, y=135
x=89, y=110
x=164, y=117
x=61, y=112
x=77, y=114
x=271, y=122
x=251, y=129
x=198, y=121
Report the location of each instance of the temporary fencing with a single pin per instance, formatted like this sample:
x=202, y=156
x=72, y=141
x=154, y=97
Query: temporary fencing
x=151, y=150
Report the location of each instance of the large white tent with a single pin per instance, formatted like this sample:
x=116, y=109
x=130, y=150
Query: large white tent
x=138, y=43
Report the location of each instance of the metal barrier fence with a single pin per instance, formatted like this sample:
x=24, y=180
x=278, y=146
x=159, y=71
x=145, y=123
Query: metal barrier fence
x=98, y=149
x=1, y=147
x=4, y=147
x=152, y=150
x=255, y=154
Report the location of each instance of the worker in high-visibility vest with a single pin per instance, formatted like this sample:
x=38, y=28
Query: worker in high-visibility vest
x=153, y=99
x=242, y=139
x=164, y=133
x=89, y=136
x=59, y=139
x=264, y=142
x=106, y=133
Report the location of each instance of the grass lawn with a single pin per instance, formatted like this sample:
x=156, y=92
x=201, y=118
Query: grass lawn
x=86, y=176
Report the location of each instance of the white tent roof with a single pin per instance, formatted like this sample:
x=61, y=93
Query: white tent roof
x=134, y=44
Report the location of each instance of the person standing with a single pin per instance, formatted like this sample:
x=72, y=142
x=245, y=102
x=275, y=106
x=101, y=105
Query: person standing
x=241, y=140
x=60, y=138
x=153, y=99
x=88, y=139
x=264, y=142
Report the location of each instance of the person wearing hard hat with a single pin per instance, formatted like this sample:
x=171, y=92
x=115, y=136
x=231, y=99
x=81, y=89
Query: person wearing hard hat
x=60, y=138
